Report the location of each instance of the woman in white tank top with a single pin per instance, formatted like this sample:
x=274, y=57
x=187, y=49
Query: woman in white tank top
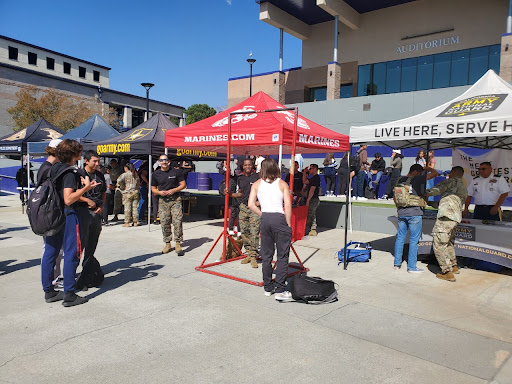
x=275, y=209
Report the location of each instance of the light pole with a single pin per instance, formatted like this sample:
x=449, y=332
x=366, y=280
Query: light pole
x=251, y=61
x=147, y=86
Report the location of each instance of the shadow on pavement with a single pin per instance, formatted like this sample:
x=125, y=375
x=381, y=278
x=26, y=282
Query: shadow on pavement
x=195, y=243
x=12, y=229
x=126, y=273
x=5, y=268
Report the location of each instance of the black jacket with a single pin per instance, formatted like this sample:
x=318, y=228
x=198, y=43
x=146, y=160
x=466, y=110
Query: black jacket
x=379, y=165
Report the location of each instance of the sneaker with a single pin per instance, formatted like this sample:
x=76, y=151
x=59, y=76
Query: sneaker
x=415, y=270
x=384, y=197
x=58, y=284
x=231, y=233
x=362, y=198
x=269, y=293
x=397, y=267
x=71, y=299
x=53, y=296
x=284, y=296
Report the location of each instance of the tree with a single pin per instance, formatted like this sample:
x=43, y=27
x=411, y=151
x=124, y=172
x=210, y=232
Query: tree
x=61, y=109
x=197, y=112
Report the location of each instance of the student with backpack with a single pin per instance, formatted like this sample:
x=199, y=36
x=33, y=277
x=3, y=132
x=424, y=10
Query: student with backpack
x=66, y=182
x=330, y=165
x=408, y=197
x=361, y=158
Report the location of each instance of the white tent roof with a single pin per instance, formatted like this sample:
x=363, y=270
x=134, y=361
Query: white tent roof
x=481, y=118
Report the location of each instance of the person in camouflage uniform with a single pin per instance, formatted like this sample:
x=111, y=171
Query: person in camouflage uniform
x=116, y=171
x=128, y=183
x=166, y=183
x=249, y=222
x=453, y=193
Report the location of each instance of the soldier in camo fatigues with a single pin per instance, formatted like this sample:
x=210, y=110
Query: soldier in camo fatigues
x=453, y=193
x=166, y=183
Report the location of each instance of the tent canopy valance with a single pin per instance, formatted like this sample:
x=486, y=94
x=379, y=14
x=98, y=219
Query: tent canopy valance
x=480, y=118
x=93, y=129
x=257, y=133
x=41, y=130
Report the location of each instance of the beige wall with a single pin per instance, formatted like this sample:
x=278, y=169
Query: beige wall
x=381, y=32
x=59, y=64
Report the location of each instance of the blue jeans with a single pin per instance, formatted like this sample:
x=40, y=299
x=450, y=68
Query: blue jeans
x=414, y=225
x=143, y=202
x=377, y=180
x=67, y=238
x=359, y=192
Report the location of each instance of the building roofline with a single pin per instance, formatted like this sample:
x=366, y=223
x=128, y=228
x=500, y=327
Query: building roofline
x=53, y=52
x=85, y=84
x=264, y=73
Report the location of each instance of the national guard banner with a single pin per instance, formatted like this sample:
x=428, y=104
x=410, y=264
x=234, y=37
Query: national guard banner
x=500, y=159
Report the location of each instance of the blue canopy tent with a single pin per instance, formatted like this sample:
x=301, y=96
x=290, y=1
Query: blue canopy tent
x=93, y=129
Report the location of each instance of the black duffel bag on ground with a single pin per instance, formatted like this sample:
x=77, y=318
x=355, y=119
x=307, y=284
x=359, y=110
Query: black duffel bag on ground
x=313, y=290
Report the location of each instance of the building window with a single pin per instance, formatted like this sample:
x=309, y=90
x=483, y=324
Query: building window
x=318, y=94
x=32, y=58
x=50, y=63
x=448, y=69
x=13, y=53
x=96, y=75
x=81, y=72
x=67, y=68
x=345, y=91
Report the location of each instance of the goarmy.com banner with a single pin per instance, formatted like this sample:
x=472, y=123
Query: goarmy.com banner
x=113, y=148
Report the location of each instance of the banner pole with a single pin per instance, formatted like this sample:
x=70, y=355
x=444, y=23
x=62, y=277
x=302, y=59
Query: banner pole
x=150, y=160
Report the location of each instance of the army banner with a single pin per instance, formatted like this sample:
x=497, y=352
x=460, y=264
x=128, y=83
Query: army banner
x=500, y=159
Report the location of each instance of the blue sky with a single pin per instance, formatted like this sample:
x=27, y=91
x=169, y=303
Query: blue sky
x=188, y=48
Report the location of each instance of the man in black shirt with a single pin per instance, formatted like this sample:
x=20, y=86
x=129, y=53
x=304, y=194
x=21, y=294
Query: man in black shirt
x=166, y=182
x=297, y=182
x=90, y=205
x=21, y=178
x=312, y=201
x=377, y=167
x=249, y=221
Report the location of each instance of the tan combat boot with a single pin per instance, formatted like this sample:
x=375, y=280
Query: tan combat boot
x=126, y=224
x=455, y=270
x=448, y=276
x=254, y=262
x=167, y=248
x=135, y=223
x=313, y=232
x=178, y=249
x=247, y=260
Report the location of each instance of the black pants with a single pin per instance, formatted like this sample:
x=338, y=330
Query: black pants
x=395, y=175
x=343, y=175
x=154, y=201
x=106, y=207
x=275, y=233
x=235, y=211
x=331, y=183
x=483, y=212
x=90, y=229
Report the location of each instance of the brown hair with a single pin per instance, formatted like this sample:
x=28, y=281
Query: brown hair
x=328, y=158
x=131, y=168
x=269, y=170
x=50, y=151
x=67, y=150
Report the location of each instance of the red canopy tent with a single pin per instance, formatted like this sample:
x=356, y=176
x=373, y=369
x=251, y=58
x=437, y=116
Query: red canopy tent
x=257, y=132
x=257, y=125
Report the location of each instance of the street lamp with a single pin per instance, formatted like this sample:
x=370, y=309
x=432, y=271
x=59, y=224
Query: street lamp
x=251, y=61
x=147, y=86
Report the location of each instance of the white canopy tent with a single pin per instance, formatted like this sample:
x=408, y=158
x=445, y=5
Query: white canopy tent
x=480, y=118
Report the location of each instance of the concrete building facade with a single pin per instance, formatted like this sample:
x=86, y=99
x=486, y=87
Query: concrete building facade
x=23, y=64
x=370, y=53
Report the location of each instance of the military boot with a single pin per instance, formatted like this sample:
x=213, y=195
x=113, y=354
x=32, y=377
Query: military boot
x=167, y=248
x=135, y=223
x=448, y=276
x=254, y=262
x=455, y=270
x=247, y=260
x=313, y=232
x=178, y=249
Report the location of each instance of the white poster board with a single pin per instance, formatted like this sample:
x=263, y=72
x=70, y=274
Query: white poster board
x=500, y=159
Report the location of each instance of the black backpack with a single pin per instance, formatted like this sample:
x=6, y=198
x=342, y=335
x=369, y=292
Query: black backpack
x=91, y=275
x=313, y=290
x=355, y=162
x=45, y=207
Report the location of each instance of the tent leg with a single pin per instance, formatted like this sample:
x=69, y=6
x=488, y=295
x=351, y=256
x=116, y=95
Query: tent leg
x=348, y=206
x=150, y=160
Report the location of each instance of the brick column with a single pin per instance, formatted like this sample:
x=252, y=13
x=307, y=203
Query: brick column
x=333, y=80
x=127, y=117
x=279, y=87
x=506, y=57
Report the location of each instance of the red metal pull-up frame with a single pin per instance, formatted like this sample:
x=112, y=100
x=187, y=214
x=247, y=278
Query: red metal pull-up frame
x=225, y=235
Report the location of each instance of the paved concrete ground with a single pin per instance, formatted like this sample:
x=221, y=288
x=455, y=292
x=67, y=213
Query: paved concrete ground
x=156, y=320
